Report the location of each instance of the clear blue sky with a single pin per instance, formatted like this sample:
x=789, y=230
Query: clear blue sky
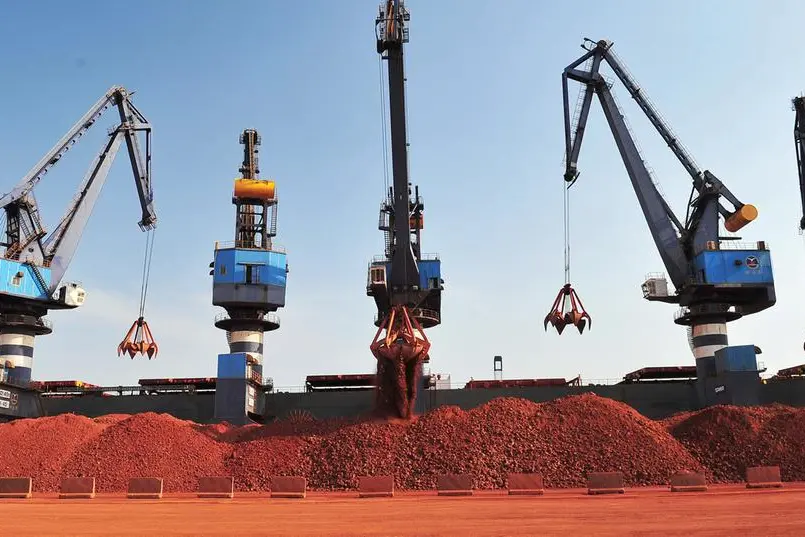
x=485, y=125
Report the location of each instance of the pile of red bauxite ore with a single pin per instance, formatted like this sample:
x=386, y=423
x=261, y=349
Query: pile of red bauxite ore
x=563, y=440
x=728, y=439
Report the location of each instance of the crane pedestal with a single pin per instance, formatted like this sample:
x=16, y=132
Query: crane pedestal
x=17, y=333
x=239, y=395
x=724, y=374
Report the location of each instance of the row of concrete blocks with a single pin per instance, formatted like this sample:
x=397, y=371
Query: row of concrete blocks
x=381, y=486
x=606, y=482
x=757, y=477
x=139, y=487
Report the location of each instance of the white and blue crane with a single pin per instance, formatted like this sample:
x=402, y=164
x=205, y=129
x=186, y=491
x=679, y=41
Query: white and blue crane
x=34, y=261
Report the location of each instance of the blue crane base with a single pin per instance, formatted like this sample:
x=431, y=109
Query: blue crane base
x=239, y=396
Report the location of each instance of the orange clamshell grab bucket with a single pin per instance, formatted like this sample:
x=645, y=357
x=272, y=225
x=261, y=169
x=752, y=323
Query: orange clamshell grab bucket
x=402, y=346
x=561, y=316
x=138, y=340
x=400, y=342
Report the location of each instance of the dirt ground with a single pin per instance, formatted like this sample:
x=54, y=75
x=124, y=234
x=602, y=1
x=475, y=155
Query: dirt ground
x=722, y=511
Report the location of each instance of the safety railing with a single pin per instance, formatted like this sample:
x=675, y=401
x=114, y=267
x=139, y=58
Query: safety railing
x=423, y=257
x=418, y=312
x=733, y=245
x=271, y=317
x=227, y=245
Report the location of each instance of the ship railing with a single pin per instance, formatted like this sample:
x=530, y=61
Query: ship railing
x=456, y=384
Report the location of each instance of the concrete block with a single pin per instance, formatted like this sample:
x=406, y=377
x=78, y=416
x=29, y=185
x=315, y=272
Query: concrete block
x=149, y=488
x=605, y=483
x=688, y=482
x=377, y=486
x=77, y=487
x=525, y=485
x=454, y=485
x=15, y=487
x=216, y=487
x=763, y=477
x=288, y=487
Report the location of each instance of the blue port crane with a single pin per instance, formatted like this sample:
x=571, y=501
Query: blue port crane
x=405, y=284
x=716, y=281
x=34, y=262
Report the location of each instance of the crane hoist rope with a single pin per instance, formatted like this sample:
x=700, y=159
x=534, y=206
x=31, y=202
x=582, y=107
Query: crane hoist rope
x=566, y=209
x=139, y=338
x=567, y=307
x=149, y=249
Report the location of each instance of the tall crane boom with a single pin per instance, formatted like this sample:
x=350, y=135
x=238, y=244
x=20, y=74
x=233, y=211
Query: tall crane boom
x=406, y=288
x=799, y=145
x=392, y=33
x=26, y=238
x=676, y=241
x=715, y=282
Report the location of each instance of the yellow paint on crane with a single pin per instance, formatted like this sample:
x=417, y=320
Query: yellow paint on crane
x=261, y=189
x=740, y=218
